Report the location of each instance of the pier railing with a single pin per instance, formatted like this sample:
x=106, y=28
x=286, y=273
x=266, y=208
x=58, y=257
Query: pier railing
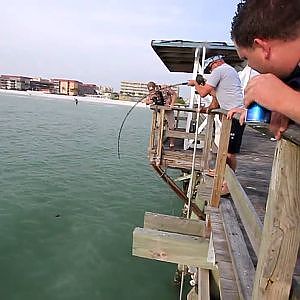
x=211, y=237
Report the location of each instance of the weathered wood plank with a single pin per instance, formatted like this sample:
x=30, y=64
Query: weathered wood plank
x=207, y=141
x=242, y=263
x=183, y=135
x=171, y=247
x=221, y=161
x=227, y=283
x=203, y=284
x=180, y=160
x=192, y=295
x=160, y=136
x=152, y=133
x=174, y=224
x=281, y=231
x=247, y=213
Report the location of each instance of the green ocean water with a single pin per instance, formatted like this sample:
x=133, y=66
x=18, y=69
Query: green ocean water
x=68, y=206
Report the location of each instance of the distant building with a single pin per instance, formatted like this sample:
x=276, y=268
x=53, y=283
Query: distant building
x=42, y=85
x=104, y=89
x=137, y=90
x=66, y=86
x=12, y=82
x=88, y=89
x=133, y=89
x=56, y=85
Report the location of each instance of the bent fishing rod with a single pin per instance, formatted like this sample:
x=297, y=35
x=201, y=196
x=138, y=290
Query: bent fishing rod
x=131, y=109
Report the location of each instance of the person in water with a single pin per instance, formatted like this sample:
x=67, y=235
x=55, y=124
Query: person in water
x=163, y=96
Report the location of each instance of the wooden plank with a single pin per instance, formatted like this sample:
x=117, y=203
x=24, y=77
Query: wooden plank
x=183, y=177
x=227, y=284
x=242, y=264
x=192, y=295
x=203, y=284
x=221, y=161
x=207, y=141
x=183, y=135
x=160, y=136
x=152, y=133
x=171, y=247
x=281, y=231
x=180, y=160
x=246, y=211
x=174, y=224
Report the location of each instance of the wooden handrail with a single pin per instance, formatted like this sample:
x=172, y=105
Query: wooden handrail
x=292, y=134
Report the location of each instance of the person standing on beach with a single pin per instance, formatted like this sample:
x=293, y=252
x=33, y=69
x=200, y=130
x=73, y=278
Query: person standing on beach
x=267, y=34
x=163, y=96
x=225, y=86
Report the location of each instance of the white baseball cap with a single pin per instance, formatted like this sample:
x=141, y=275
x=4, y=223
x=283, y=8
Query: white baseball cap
x=210, y=60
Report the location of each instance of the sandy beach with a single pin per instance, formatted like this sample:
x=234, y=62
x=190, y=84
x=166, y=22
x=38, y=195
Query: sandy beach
x=70, y=98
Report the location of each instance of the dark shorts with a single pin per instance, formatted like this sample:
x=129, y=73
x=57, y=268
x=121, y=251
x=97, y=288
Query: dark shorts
x=236, y=136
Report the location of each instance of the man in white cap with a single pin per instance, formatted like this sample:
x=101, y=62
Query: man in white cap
x=225, y=86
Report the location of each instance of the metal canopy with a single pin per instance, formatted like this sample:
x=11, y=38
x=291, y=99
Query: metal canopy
x=179, y=56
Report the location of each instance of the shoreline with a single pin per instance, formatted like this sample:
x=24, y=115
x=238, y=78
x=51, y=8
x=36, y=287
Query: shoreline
x=70, y=98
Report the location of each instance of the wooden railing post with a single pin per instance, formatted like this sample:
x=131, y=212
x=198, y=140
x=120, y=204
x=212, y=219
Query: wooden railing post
x=207, y=141
x=160, y=136
x=221, y=161
x=153, y=130
x=281, y=231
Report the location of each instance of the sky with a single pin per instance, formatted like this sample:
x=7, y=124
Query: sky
x=104, y=42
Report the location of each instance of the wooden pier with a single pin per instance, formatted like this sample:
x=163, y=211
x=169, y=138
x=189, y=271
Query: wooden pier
x=246, y=245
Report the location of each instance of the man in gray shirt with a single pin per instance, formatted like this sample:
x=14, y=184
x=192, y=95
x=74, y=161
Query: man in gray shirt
x=225, y=87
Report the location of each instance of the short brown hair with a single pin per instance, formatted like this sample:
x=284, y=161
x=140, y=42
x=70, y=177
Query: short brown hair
x=265, y=19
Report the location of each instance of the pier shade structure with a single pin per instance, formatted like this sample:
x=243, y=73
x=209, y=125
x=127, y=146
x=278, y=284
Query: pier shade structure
x=242, y=247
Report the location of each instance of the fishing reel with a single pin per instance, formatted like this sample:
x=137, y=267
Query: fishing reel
x=200, y=79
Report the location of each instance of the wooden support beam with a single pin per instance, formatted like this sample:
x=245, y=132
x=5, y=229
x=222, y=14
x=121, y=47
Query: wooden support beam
x=281, y=231
x=178, y=191
x=221, y=161
x=174, y=224
x=192, y=295
x=203, y=284
x=207, y=141
x=242, y=264
x=183, y=178
x=160, y=136
x=153, y=130
x=171, y=247
x=246, y=211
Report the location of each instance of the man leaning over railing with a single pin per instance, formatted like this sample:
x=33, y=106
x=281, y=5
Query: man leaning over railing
x=267, y=34
x=225, y=86
x=163, y=96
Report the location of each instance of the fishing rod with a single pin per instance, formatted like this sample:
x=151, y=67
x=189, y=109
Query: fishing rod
x=199, y=79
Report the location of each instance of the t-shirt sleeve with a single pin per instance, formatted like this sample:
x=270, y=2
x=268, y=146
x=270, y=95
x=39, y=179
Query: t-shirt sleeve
x=214, y=78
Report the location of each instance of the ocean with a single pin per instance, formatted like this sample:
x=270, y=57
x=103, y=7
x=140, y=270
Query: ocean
x=68, y=205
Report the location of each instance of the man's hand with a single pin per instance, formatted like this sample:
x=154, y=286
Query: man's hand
x=237, y=110
x=279, y=124
x=192, y=82
x=267, y=90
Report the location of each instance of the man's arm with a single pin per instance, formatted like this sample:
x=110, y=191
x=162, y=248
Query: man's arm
x=148, y=100
x=203, y=90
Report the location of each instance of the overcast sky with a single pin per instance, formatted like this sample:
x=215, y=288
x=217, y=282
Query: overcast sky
x=104, y=42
